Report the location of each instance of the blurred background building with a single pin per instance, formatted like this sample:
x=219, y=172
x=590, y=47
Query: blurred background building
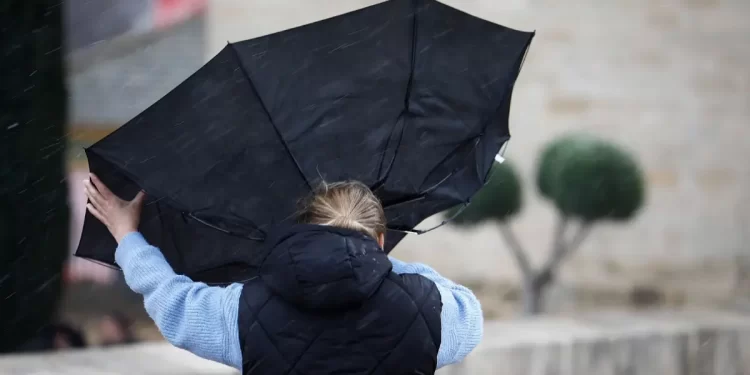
x=666, y=79
x=122, y=56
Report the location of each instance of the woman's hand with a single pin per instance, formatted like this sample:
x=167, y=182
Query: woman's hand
x=120, y=216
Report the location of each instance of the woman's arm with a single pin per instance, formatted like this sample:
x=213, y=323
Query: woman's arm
x=190, y=315
x=461, y=319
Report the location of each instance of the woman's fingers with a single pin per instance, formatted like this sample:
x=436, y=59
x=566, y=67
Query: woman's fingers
x=103, y=189
x=97, y=214
x=94, y=196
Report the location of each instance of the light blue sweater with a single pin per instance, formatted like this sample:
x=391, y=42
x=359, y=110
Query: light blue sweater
x=203, y=319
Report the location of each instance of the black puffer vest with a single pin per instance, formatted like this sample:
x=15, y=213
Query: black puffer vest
x=327, y=303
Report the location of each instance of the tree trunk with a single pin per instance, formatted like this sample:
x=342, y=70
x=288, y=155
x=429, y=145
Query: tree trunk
x=33, y=194
x=532, y=297
x=530, y=292
x=533, y=288
x=535, y=283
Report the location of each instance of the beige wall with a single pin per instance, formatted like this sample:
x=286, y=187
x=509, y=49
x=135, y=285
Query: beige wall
x=668, y=79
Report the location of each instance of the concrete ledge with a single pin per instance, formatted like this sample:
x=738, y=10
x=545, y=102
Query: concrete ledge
x=157, y=358
x=663, y=343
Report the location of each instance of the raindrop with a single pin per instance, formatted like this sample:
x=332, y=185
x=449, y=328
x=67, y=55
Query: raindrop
x=53, y=50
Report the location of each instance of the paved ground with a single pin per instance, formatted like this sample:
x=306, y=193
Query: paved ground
x=615, y=343
x=142, y=359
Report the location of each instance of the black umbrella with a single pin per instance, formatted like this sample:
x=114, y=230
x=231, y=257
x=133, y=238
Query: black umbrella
x=409, y=96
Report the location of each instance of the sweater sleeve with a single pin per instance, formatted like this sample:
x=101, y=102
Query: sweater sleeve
x=461, y=319
x=190, y=315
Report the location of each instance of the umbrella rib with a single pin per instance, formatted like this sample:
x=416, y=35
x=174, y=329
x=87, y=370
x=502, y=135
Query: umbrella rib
x=423, y=231
x=409, y=84
x=413, y=55
x=381, y=180
x=407, y=95
x=268, y=114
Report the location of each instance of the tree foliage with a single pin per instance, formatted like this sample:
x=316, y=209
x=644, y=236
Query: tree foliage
x=499, y=199
x=590, y=179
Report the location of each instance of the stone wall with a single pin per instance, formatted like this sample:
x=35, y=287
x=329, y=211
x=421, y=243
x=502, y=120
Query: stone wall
x=665, y=343
x=667, y=79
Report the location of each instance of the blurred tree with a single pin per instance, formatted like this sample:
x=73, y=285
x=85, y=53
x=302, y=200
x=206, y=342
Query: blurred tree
x=587, y=179
x=33, y=194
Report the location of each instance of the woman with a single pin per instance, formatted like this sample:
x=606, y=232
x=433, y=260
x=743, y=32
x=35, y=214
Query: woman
x=328, y=299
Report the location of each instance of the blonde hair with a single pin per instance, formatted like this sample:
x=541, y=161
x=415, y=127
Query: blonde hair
x=348, y=204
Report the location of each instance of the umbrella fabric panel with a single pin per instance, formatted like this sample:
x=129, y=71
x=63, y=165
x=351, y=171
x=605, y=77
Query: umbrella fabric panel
x=191, y=248
x=336, y=89
x=209, y=148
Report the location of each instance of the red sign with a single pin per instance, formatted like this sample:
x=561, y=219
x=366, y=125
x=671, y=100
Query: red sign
x=170, y=12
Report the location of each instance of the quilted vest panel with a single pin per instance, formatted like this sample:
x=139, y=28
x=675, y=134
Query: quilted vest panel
x=395, y=331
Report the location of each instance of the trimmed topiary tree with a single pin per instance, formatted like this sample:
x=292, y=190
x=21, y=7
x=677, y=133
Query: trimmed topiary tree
x=500, y=198
x=587, y=179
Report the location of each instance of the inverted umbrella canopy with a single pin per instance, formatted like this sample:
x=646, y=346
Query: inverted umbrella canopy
x=411, y=97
